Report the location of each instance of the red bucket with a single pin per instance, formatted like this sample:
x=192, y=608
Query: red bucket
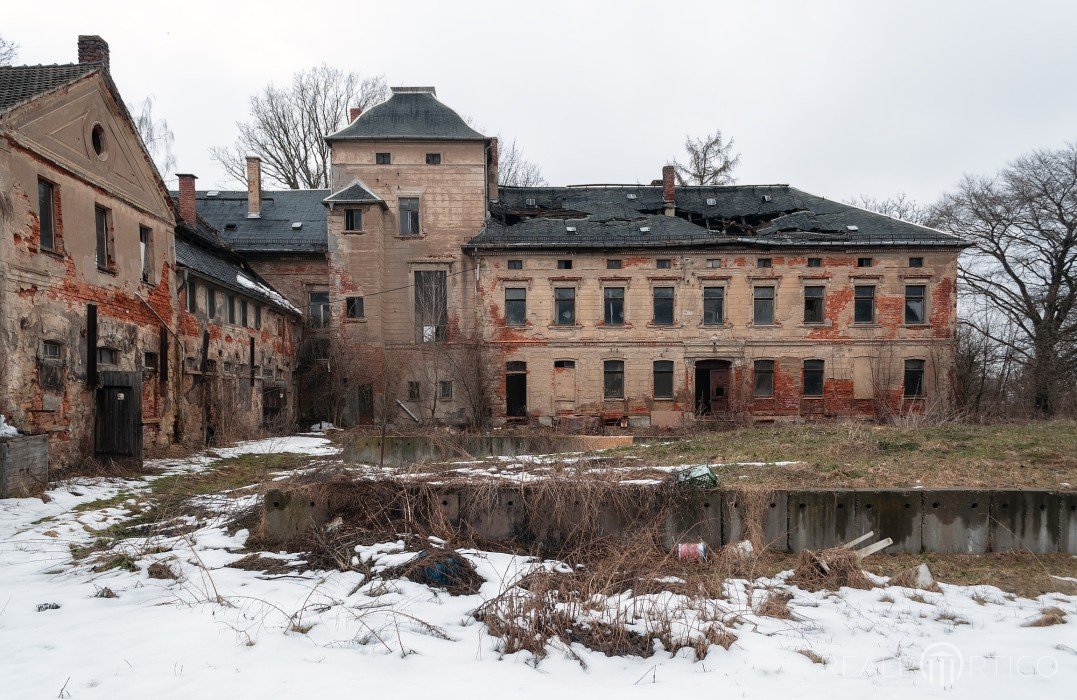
x=694, y=551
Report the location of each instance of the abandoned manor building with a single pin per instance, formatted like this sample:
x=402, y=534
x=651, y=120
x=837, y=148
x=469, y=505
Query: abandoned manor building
x=416, y=288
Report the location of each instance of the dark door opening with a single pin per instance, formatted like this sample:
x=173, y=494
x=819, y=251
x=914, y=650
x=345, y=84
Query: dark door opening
x=118, y=415
x=272, y=407
x=516, y=389
x=712, y=387
x=364, y=404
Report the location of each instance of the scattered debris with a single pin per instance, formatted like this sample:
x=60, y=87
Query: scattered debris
x=161, y=570
x=776, y=605
x=700, y=475
x=692, y=551
x=105, y=592
x=48, y=606
x=916, y=577
x=440, y=568
x=829, y=569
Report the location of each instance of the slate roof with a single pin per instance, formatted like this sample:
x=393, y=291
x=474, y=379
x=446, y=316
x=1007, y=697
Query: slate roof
x=19, y=84
x=410, y=113
x=216, y=266
x=355, y=193
x=226, y=211
x=765, y=216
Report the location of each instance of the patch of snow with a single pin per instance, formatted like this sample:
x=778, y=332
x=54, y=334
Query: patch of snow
x=6, y=430
x=247, y=282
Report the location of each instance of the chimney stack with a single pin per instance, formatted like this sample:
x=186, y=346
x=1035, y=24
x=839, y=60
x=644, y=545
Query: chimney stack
x=492, y=170
x=187, y=204
x=93, y=49
x=669, y=190
x=354, y=114
x=254, y=187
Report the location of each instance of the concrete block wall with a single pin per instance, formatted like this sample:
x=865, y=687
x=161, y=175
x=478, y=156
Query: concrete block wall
x=24, y=464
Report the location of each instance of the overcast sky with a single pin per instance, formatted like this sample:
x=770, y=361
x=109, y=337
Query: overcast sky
x=837, y=98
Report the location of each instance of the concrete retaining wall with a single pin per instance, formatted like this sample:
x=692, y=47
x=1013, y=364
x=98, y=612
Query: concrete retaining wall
x=969, y=521
x=24, y=464
x=419, y=448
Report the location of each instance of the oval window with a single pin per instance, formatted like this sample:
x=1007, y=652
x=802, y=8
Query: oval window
x=97, y=139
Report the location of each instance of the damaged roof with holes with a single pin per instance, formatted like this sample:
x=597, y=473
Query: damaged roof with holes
x=220, y=268
x=410, y=113
x=355, y=193
x=615, y=216
x=19, y=84
x=292, y=221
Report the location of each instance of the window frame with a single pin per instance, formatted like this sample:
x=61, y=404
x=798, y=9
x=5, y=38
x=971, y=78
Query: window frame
x=566, y=295
x=818, y=294
x=354, y=308
x=516, y=308
x=145, y=243
x=433, y=159
x=865, y=262
x=817, y=372
x=614, y=264
x=411, y=222
x=191, y=297
x=515, y=264
x=663, y=264
x=662, y=301
x=720, y=299
x=350, y=214
x=914, y=367
x=764, y=263
x=912, y=299
x=415, y=391
x=666, y=373
x=564, y=264
x=611, y=298
x=445, y=390
x=763, y=379
x=858, y=298
x=615, y=370
x=383, y=158
x=815, y=262
x=768, y=302
x=104, y=239
x=49, y=195
x=45, y=353
x=211, y=302
x=916, y=261
x=317, y=320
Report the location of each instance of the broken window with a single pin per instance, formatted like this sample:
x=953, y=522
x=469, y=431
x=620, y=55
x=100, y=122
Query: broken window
x=763, y=303
x=414, y=391
x=318, y=305
x=564, y=264
x=764, y=378
x=353, y=219
x=915, y=295
x=103, y=224
x=663, y=306
x=445, y=389
x=257, y=316
x=613, y=385
x=515, y=306
x=243, y=314
x=354, y=307
x=409, y=216
x=231, y=308
x=815, y=262
x=516, y=264
x=864, y=304
x=814, y=304
x=145, y=246
x=433, y=159
x=914, y=378
x=713, y=306
x=46, y=212
x=192, y=295
x=431, y=313
x=211, y=302
x=382, y=159
x=614, y=306
x=564, y=306
x=663, y=263
x=663, y=379
x=813, y=377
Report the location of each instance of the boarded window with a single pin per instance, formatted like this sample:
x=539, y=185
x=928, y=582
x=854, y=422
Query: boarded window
x=663, y=306
x=814, y=300
x=864, y=304
x=663, y=379
x=914, y=303
x=764, y=378
x=46, y=211
x=914, y=378
x=763, y=306
x=355, y=307
x=409, y=216
x=613, y=385
x=613, y=305
x=564, y=299
x=713, y=306
x=515, y=306
x=813, y=377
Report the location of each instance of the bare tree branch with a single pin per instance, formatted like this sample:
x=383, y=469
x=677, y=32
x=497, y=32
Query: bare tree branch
x=9, y=51
x=711, y=161
x=156, y=135
x=514, y=170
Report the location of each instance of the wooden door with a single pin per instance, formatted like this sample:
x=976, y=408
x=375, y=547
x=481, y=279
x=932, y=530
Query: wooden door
x=719, y=389
x=117, y=422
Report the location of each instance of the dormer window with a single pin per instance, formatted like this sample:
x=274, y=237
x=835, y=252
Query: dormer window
x=382, y=159
x=353, y=219
x=433, y=159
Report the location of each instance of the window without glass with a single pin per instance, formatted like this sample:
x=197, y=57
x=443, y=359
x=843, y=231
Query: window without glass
x=663, y=379
x=763, y=306
x=764, y=378
x=564, y=364
x=353, y=219
x=916, y=262
x=409, y=216
x=257, y=316
x=414, y=391
x=103, y=223
x=814, y=301
x=613, y=384
x=813, y=377
x=382, y=158
x=231, y=308
x=713, y=306
x=614, y=306
x=564, y=300
x=211, y=302
x=516, y=264
x=318, y=305
x=354, y=307
x=914, y=303
x=914, y=378
x=663, y=264
x=613, y=264
x=46, y=211
x=246, y=322
x=149, y=361
x=763, y=262
x=192, y=295
x=145, y=249
x=663, y=306
x=515, y=306
x=445, y=389
x=564, y=264
x=433, y=159
x=431, y=310
x=864, y=262
x=815, y=262
x=864, y=304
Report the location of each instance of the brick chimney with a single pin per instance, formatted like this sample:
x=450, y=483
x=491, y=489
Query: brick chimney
x=254, y=187
x=492, y=170
x=354, y=114
x=187, y=203
x=93, y=49
x=669, y=190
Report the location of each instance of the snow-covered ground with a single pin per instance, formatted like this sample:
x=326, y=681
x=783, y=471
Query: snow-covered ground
x=220, y=632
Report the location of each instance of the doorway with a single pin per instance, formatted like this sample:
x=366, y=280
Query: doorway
x=712, y=387
x=118, y=415
x=516, y=389
x=564, y=386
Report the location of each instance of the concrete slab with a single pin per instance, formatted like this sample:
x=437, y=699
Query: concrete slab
x=895, y=514
x=289, y=514
x=821, y=519
x=775, y=516
x=1024, y=521
x=697, y=519
x=501, y=518
x=955, y=521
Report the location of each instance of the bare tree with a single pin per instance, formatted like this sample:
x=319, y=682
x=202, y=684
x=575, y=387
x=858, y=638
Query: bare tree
x=1023, y=222
x=287, y=125
x=900, y=206
x=9, y=51
x=711, y=161
x=156, y=135
x=515, y=170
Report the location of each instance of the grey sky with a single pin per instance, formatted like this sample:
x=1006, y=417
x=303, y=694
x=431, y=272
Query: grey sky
x=837, y=98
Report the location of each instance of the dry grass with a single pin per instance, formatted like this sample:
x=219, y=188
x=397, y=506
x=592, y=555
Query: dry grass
x=815, y=658
x=776, y=605
x=1048, y=617
x=829, y=569
x=439, y=568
